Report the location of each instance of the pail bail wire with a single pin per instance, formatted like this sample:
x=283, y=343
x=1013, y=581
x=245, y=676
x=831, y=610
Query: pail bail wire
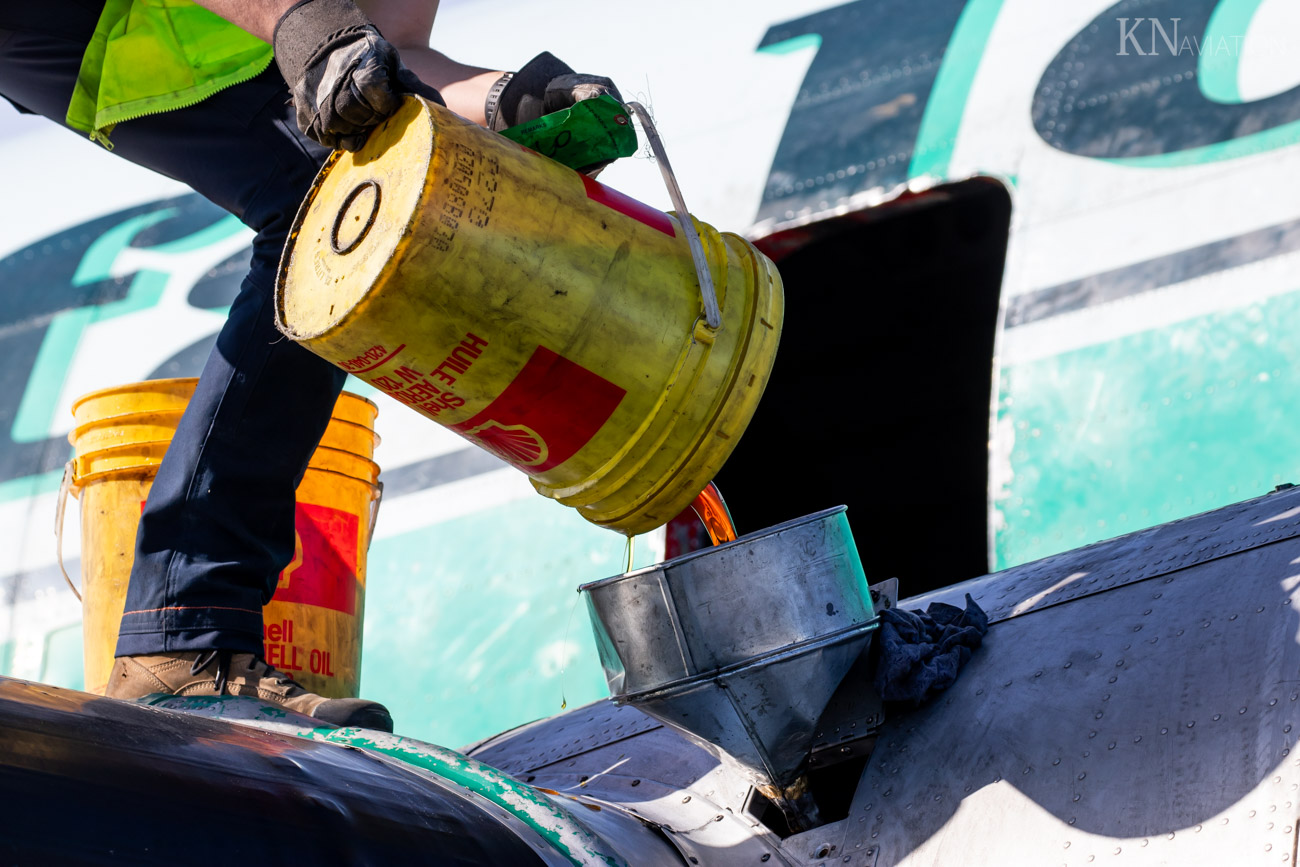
x=374, y=513
x=65, y=488
x=708, y=293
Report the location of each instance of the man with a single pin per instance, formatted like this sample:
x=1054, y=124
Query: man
x=190, y=91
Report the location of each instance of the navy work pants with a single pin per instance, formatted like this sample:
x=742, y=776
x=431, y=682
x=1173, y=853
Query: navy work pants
x=219, y=523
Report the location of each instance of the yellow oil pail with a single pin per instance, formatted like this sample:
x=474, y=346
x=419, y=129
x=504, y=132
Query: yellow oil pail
x=539, y=314
x=313, y=625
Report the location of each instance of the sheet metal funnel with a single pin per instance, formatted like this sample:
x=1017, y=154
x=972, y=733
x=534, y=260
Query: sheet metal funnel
x=741, y=646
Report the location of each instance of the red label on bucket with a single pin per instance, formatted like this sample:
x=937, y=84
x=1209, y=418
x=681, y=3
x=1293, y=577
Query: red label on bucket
x=628, y=206
x=549, y=411
x=324, y=567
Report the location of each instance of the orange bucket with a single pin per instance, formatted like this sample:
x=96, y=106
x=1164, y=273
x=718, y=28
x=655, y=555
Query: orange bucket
x=313, y=624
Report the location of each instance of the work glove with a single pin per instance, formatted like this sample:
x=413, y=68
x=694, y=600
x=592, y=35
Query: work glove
x=545, y=84
x=345, y=78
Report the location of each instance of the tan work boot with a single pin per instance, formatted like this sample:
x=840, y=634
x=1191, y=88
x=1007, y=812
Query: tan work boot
x=223, y=672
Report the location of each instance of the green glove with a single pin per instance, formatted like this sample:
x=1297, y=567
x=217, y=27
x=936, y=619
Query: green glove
x=544, y=85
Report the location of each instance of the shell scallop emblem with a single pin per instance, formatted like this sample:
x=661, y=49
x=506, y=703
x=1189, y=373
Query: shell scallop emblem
x=515, y=443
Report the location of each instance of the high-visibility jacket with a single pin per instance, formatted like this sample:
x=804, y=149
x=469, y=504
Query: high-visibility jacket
x=151, y=56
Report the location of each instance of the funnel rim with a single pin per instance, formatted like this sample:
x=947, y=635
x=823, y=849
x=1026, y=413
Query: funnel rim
x=693, y=555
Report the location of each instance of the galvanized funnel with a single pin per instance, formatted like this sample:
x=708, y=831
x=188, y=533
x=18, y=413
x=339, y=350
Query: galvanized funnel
x=741, y=646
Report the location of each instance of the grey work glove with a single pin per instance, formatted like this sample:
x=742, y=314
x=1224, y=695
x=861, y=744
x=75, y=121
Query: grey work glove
x=345, y=78
x=545, y=84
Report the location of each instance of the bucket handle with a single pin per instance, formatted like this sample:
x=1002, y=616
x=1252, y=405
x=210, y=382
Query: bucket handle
x=65, y=488
x=374, y=512
x=712, y=314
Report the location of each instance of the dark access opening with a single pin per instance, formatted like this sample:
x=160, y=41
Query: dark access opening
x=880, y=395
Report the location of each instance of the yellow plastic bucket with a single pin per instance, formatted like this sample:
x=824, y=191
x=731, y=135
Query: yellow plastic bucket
x=541, y=315
x=313, y=625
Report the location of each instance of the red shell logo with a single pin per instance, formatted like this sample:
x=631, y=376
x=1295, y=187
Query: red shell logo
x=515, y=443
x=549, y=411
x=324, y=567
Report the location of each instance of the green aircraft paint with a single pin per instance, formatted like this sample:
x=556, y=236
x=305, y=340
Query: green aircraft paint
x=1100, y=450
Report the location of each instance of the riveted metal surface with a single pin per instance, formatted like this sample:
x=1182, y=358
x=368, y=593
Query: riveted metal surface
x=656, y=775
x=554, y=740
x=1136, y=557
x=1155, y=723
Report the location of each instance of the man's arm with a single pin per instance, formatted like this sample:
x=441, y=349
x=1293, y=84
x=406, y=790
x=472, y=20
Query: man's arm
x=258, y=17
x=406, y=24
x=341, y=61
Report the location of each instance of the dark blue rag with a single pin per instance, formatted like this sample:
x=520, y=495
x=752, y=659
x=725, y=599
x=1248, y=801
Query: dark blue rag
x=919, y=654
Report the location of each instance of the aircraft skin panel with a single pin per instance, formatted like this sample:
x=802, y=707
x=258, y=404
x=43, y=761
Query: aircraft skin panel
x=1133, y=702
x=1104, y=565
x=1140, y=373
x=1154, y=722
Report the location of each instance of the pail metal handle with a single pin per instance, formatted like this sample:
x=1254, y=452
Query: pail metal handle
x=65, y=488
x=712, y=313
x=374, y=512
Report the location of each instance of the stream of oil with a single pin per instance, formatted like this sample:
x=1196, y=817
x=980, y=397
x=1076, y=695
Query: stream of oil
x=713, y=511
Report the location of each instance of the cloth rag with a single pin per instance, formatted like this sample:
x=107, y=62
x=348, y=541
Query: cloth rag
x=920, y=653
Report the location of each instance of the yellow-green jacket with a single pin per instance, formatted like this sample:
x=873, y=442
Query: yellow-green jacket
x=151, y=56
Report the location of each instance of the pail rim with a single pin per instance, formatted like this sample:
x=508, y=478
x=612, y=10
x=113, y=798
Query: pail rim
x=151, y=452
x=173, y=385
x=374, y=486
x=335, y=420
x=372, y=468
x=134, y=419
x=137, y=417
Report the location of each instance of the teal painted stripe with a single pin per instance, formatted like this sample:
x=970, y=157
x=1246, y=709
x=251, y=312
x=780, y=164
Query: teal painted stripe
x=32, y=486
x=62, y=664
x=214, y=234
x=145, y=292
x=97, y=263
x=39, y=403
x=553, y=823
x=947, y=104
x=1147, y=428
x=1257, y=143
x=361, y=388
x=793, y=44
x=466, y=640
x=551, y=819
x=40, y=400
x=1219, y=61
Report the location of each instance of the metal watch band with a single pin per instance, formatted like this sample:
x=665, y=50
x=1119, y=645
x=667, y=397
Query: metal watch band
x=492, y=104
